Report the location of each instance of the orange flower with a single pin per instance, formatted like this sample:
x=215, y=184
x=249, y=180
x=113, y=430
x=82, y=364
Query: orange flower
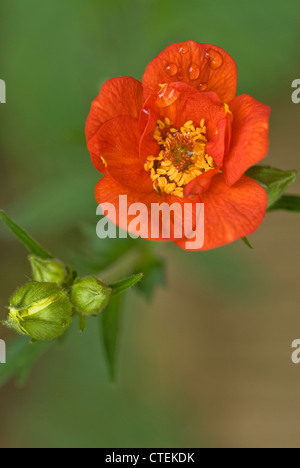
x=183, y=136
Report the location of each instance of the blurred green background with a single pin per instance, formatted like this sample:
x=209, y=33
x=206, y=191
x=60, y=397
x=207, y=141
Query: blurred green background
x=208, y=362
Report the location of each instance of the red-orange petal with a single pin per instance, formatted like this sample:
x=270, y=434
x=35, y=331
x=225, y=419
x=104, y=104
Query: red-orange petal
x=117, y=142
x=250, y=136
x=109, y=190
x=202, y=66
x=219, y=145
x=201, y=184
x=231, y=212
x=147, y=124
x=118, y=96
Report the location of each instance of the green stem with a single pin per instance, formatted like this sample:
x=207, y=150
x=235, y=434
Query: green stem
x=122, y=267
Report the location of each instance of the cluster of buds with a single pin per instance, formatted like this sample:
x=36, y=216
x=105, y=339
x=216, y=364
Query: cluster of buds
x=43, y=309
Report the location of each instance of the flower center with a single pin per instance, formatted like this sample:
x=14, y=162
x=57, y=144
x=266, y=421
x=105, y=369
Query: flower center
x=181, y=159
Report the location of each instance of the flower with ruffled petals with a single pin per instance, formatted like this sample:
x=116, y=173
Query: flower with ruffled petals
x=182, y=136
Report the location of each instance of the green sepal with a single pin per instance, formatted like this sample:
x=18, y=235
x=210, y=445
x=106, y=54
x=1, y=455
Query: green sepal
x=247, y=243
x=123, y=285
x=274, y=181
x=48, y=270
x=287, y=203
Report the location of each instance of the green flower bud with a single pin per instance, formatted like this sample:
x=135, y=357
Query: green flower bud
x=42, y=311
x=90, y=296
x=48, y=271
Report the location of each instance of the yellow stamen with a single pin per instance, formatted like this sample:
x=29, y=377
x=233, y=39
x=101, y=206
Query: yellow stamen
x=103, y=160
x=182, y=156
x=227, y=109
x=161, y=171
x=174, y=175
x=160, y=124
x=176, y=193
x=172, y=171
x=162, y=182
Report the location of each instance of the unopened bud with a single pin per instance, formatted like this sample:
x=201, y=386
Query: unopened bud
x=42, y=311
x=48, y=271
x=90, y=296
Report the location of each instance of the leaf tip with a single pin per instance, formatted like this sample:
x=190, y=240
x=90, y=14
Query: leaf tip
x=247, y=243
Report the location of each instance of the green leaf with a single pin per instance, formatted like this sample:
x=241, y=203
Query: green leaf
x=287, y=203
x=31, y=245
x=274, y=181
x=21, y=356
x=110, y=330
x=154, y=275
x=127, y=283
x=247, y=243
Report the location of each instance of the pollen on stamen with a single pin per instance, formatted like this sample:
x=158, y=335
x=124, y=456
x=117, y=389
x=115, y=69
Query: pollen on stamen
x=182, y=156
x=160, y=124
x=104, y=161
x=227, y=109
